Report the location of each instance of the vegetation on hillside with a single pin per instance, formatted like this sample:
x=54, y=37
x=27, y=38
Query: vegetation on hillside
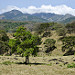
x=25, y=42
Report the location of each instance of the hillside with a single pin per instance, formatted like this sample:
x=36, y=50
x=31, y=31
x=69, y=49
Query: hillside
x=37, y=17
x=10, y=26
x=52, y=44
x=68, y=20
x=19, y=16
x=45, y=31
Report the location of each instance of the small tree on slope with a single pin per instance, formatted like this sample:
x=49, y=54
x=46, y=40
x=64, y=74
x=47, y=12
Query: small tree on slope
x=27, y=43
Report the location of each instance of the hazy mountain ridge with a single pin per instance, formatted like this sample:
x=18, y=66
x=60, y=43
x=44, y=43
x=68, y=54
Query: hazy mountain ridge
x=68, y=20
x=37, y=17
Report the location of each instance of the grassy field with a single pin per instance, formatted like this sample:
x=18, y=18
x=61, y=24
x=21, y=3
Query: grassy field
x=49, y=65
x=55, y=64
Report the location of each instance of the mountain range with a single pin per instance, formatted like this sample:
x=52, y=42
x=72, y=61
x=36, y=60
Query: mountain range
x=37, y=17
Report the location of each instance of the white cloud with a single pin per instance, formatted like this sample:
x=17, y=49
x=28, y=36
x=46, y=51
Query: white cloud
x=61, y=9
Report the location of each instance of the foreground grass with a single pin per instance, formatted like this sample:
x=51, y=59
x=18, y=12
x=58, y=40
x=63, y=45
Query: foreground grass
x=38, y=66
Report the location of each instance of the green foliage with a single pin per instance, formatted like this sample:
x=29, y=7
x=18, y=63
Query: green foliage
x=3, y=47
x=36, y=39
x=47, y=27
x=42, y=27
x=68, y=43
x=3, y=36
x=3, y=42
x=71, y=27
x=12, y=44
x=49, y=64
x=50, y=45
x=22, y=34
x=61, y=32
x=71, y=65
x=57, y=26
x=10, y=26
x=28, y=42
x=49, y=42
x=47, y=34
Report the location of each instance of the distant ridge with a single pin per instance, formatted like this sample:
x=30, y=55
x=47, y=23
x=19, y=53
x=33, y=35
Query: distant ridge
x=37, y=17
x=68, y=20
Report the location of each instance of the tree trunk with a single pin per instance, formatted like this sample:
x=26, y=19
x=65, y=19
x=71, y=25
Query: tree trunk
x=27, y=60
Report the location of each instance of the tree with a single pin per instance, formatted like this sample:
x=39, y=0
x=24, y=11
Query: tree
x=27, y=43
x=50, y=45
x=68, y=43
x=71, y=27
x=61, y=32
x=46, y=34
x=3, y=42
x=42, y=27
x=3, y=47
x=12, y=45
x=3, y=36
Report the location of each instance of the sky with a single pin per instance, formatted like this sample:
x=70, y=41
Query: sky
x=36, y=6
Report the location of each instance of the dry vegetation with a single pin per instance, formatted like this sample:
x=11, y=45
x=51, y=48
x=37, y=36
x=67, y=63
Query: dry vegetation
x=38, y=66
x=53, y=64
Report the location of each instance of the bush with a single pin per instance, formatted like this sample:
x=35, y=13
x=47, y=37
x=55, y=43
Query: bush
x=50, y=45
x=61, y=32
x=47, y=34
x=3, y=47
x=68, y=43
x=71, y=27
x=71, y=65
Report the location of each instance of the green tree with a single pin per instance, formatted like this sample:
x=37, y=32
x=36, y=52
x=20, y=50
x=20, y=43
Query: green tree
x=61, y=32
x=3, y=47
x=42, y=27
x=12, y=45
x=28, y=43
x=3, y=42
x=68, y=43
x=71, y=27
x=50, y=45
x=46, y=34
x=3, y=36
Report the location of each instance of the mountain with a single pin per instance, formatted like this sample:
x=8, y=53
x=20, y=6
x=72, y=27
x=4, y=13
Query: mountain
x=37, y=17
x=11, y=14
x=19, y=16
x=52, y=16
x=68, y=20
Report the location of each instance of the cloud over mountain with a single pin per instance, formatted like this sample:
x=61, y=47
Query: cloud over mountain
x=61, y=9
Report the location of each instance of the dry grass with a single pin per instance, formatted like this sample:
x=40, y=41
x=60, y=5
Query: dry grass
x=52, y=66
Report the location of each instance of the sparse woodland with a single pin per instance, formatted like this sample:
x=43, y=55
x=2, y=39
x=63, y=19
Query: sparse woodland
x=33, y=43
x=47, y=41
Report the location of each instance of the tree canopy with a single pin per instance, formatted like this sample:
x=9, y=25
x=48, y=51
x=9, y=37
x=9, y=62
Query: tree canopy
x=27, y=43
x=50, y=45
x=68, y=43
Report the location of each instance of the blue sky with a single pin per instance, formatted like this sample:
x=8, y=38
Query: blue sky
x=37, y=3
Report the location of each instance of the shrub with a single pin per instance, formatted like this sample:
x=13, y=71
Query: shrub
x=71, y=27
x=68, y=43
x=47, y=34
x=61, y=32
x=71, y=65
x=50, y=45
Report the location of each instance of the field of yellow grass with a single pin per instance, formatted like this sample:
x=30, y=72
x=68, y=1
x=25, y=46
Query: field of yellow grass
x=48, y=65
